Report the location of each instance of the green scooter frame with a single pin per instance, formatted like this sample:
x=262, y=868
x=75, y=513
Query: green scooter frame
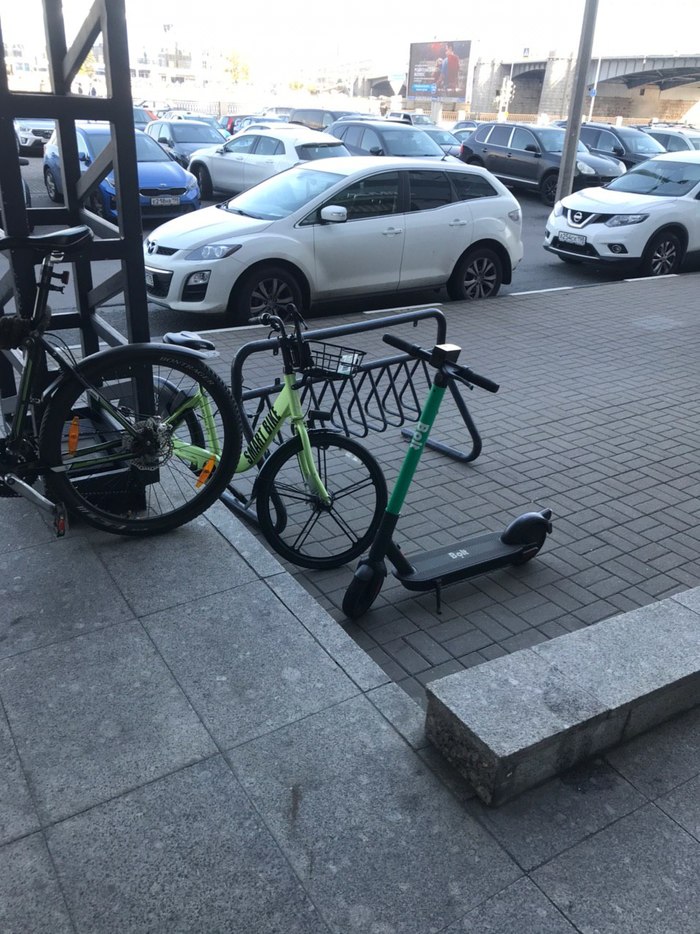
x=518, y=543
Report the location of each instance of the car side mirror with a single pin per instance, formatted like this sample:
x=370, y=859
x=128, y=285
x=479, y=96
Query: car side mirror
x=376, y=151
x=618, y=150
x=334, y=214
x=163, y=140
x=532, y=148
x=83, y=157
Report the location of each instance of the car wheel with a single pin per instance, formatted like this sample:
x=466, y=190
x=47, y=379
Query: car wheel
x=201, y=173
x=663, y=255
x=95, y=204
x=478, y=274
x=267, y=288
x=548, y=188
x=51, y=187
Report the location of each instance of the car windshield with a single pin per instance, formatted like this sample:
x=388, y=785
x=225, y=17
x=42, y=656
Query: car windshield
x=147, y=149
x=321, y=150
x=694, y=141
x=642, y=143
x=421, y=119
x=659, y=177
x=443, y=137
x=195, y=133
x=552, y=140
x=410, y=143
x=282, y=194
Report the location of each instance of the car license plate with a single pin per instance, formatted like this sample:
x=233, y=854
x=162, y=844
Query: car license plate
x=565, y=237
x=150, y=282
x=164, y=200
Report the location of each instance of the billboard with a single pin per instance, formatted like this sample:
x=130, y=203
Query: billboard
x=438, y=71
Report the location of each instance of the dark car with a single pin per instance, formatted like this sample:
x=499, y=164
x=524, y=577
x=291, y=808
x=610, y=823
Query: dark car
x=626, y=143
x=385, y=138
x=180, y=138
x=529, y=156
x=142, y=117
x=317, y=118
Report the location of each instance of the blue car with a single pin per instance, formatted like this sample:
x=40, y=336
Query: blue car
x=165, y=189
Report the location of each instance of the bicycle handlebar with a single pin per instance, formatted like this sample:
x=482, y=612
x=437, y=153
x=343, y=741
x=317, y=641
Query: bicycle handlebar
x=461, y=373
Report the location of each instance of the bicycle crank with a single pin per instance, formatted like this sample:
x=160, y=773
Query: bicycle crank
x=57, y=510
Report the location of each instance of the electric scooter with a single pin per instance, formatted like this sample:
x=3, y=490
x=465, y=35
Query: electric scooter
x=518, y=543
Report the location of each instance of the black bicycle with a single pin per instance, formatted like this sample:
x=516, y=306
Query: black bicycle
x=136, y=439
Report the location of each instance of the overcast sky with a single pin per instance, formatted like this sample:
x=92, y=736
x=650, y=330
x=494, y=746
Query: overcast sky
x=314, y=32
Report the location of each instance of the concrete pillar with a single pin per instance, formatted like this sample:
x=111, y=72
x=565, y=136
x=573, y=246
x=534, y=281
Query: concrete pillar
x=488, y=77
x=557, y=86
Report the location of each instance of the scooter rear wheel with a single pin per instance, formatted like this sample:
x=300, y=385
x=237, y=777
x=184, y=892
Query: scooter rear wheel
x=362, y=591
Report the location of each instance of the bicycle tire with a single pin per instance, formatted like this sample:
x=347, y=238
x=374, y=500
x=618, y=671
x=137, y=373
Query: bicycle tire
x=136, y=484
x=297, y=526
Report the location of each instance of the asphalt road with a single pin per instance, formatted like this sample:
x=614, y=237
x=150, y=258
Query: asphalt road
x=539, y=270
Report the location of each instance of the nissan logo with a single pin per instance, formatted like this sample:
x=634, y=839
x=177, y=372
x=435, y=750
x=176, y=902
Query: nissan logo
x=152, y=246
x=576, y=217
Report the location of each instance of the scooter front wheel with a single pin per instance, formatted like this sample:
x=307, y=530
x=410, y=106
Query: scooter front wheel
x=363, y=590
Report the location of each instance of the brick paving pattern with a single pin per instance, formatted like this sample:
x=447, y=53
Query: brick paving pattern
x=597, y=417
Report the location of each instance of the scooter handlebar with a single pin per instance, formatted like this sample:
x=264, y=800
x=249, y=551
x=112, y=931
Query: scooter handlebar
x=462, y=373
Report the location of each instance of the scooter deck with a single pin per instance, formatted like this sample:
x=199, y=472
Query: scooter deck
x=458, y=561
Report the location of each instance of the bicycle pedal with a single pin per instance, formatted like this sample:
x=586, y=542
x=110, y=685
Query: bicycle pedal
x=60, y=520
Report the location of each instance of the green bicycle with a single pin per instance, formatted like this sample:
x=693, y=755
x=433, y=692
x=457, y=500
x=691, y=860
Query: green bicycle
x=320, y=495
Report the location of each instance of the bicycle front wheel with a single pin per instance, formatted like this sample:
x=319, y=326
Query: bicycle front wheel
x=140, y=467
x=294, y=519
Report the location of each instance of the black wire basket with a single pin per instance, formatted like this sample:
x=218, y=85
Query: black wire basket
x=330, y=361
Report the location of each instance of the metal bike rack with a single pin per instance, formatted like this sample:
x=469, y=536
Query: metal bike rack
x=380, y=396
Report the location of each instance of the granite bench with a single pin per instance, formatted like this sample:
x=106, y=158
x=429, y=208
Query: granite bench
x=510, y=724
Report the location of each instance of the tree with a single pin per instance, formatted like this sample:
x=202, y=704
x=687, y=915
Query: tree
x=235, y=68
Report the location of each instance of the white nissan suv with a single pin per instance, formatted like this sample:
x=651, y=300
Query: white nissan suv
x=649, y=217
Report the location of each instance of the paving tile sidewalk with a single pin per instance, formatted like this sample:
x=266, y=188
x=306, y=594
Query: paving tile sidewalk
x=598, y=417
x=190, y=743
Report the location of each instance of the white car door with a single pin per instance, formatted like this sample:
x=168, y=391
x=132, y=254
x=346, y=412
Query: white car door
x=268, y=158
x=363, y=254
x=438, y=229
x=227, y=165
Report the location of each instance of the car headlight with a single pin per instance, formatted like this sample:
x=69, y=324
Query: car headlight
x=515, y=215
x=191, y=183
x=108, y=182
x=24, y=129
x=213, y=251
x=558, y=209
x=625, y=220
x=584, y=169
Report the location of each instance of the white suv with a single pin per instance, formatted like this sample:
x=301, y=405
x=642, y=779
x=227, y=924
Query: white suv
x=336, y=229
x=649, y=217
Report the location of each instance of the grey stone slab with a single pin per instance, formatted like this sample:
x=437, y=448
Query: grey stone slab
x=17, y=814
x=405, y=715
x=96, y=716
x=247, y=665
x=632, y=655
x=639, y=876
x=662, y=758
x=510, y=724
x=519, y=909
x=23, y=525
x=30, y=897
x=378, y=842
x=52, y=592
x=354, y=661
x=234, y=530
x=167, y=570
x=689, y=598
x=547, y=820
x=184, y=855
x=683, y=805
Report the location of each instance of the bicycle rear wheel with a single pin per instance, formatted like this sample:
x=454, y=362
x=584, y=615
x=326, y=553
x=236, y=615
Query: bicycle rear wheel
x=136, y=473
x=293, y=518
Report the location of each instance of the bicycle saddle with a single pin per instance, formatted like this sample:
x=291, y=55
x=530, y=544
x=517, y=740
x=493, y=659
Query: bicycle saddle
x=68, y=241
x=188, y=339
